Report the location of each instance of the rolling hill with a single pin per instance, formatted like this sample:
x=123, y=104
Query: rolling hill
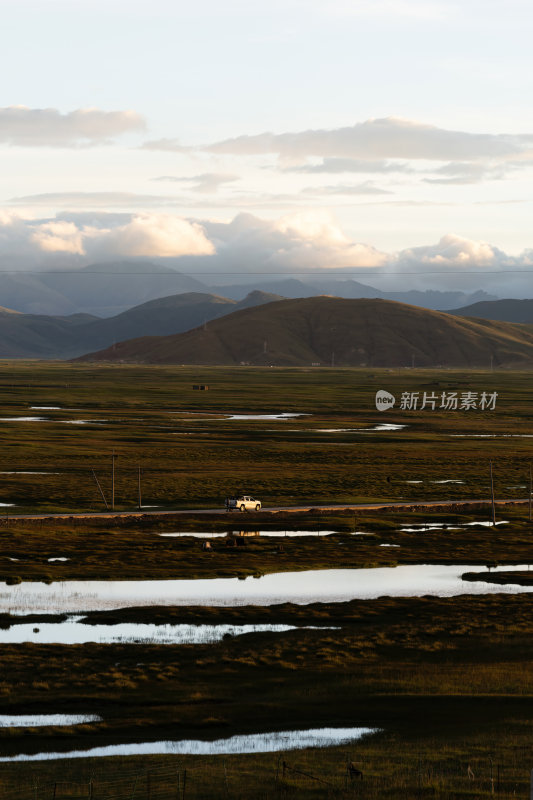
x=42, y=336
x=330, y=330
x=502, y=310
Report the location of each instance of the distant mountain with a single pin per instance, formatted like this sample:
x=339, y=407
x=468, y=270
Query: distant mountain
x=258, y=298
x=350, y=289
x=38, y=335
x=110, y=288
x=42, y=336
x=344, y=332
x=503, y=310
x=98, y=289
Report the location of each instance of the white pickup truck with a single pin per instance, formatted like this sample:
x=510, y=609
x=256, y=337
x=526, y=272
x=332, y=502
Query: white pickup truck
x=243, y=502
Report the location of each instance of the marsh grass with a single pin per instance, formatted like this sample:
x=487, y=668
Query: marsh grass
x=192, y=455
x=132, y=550
x=449, y=681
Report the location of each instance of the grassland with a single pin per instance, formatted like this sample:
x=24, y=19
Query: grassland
x=192, y=455
x=448, y=681
x=137, y=550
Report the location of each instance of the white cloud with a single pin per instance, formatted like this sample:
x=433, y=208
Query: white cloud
x=467, y=172
x=339, y=165
x=48, y=127
x=206, y=183
x=385, y=138
x=97, y=200
x=28, y=243
x=302, y=240
x=58, y=237
x=235, y=250
x=456, y=252
x=346, y=189
x=160, y=235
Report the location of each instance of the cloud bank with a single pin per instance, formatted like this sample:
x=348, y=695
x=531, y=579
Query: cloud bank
x=233, y=251
x=39, y=243
x=385, y=138
x=47, y=127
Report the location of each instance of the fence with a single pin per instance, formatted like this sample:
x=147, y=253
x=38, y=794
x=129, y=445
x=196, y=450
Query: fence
x=268, y=777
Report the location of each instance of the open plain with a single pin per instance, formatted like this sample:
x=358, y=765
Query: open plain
x=444, y=681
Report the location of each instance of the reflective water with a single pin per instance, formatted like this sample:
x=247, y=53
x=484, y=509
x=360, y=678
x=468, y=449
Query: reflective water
x=42, y=720
x=384, y=426
x=263, y=416
x=47, y=419
x=73, y=631
x=418, y=527
x=491, y=435
x=254, y=743
x=312, y=586
x=288, y=534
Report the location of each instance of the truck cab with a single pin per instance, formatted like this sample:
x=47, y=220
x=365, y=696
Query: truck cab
x=243, y=502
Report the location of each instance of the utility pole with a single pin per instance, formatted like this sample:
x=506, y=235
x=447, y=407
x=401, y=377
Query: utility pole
x=492, y=496
x=530, y=487
x=139, y=486
x=113, y=481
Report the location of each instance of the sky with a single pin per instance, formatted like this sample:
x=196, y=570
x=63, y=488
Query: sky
x=367, y=134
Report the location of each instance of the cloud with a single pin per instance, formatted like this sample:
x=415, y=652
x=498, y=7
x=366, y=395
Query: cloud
x=302, y=240
x=159, y=235
x=58, y=237
x=458, y=253
x=30, y=243
x=96, y=200
x=206, y=183
x=378, y=139
x=339, y=165
x=460, y=173
x=298, y=243
x=346, y=189
x=48, y=127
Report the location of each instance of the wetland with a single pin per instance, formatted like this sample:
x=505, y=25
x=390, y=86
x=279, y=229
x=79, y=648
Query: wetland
x=418, y=628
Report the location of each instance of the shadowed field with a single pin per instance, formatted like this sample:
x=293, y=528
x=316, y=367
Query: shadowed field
x=192, y=454
x=447, y=681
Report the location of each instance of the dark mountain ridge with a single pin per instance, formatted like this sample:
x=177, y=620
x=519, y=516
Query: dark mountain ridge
x=343, y=332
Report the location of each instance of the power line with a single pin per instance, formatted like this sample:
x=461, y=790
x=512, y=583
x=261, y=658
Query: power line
x=321, y=270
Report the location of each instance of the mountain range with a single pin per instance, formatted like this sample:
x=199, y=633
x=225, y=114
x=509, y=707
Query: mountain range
x=106, y=290
x=42, y=336
x=503, y=310
x=332, y=331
